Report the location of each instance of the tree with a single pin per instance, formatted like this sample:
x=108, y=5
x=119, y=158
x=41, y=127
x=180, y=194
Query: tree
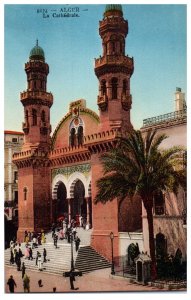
x=136, y=166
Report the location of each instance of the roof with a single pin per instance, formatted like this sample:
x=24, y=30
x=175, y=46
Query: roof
x=109, y=7
x=13, y=132
x=113, y=9
x=37, y=53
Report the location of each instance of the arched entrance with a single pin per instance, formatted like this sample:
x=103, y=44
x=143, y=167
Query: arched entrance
x=59, y=201
x=79, y=205
x=62, y=204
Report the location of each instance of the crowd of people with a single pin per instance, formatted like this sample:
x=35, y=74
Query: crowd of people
x=60, y=231
x=66, y=230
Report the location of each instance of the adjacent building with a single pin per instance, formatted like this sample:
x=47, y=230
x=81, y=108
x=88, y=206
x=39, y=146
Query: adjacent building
x=13, y=141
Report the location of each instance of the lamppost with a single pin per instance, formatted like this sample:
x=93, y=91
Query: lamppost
x=112, y=264
x=72, y=256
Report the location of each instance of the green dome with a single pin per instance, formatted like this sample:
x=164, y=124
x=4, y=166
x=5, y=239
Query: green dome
x=37, y=53
x=110, y=7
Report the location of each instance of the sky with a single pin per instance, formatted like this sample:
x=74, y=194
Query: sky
x=156, y=40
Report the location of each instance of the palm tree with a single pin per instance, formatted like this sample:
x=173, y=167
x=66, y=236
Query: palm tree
x=136, y=166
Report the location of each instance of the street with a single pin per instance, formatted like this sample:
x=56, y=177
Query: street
x=97, y=281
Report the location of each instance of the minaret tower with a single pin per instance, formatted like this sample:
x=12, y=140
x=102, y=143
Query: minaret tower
x=114, y=70
x=34, y=203
x=37, y=102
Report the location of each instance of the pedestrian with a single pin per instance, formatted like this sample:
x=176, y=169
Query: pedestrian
x=17, y=258
x=26, y=252
x=26, y=283
x=40, y=283
x=43, y=239
x=18, y=263
x=34, y=242
x=74, y=231
x=11, y=283
x=77, y=243
x=37, y=254
x=20, y=251
x=53, y=230
x=55, y=240
x=44, y=255
x=30, y=254
x=23, y=269
x=12, y=257
x=39, y=239
x=39, y=262
x=72, y=279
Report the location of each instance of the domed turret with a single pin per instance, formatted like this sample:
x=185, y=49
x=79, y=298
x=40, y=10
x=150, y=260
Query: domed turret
x=113, y=9
x=37, y=53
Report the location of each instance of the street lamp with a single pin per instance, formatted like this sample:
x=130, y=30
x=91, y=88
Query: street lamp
x=72, y=256
x=112, y=264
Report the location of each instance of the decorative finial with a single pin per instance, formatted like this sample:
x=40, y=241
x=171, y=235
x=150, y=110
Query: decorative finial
x=37, y=42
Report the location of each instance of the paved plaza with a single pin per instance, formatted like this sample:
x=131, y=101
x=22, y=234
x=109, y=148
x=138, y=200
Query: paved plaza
x=97, y=281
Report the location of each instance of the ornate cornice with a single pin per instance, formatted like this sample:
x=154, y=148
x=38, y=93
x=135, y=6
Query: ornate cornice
x=68, y=170
x=68, y=155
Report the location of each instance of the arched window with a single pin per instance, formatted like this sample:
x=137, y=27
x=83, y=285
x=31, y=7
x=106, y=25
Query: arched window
x=114, y=88
x=26, y=116
x=103, y=87
x=113, y=46
x=159, y=204
x=124, y=86
x=161, y=245
x=80, y=135
x=25, y=193
x=76, y=130
x=73, y=137
x=34, y=117
x=43, y=118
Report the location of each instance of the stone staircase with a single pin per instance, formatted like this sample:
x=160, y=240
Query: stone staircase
x=59, y=260
x=89, y=260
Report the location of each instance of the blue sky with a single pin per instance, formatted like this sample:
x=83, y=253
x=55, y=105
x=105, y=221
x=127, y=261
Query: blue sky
x=156, y=40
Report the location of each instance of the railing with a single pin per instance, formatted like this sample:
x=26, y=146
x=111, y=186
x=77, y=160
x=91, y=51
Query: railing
x=114, y=59
x=122, y=268
x=36, y=95
x=166, y=117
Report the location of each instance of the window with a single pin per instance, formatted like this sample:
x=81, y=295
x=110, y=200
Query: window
x=16, y=197
x=26, y=116
x=72, y=137
x=14, y=140
x=80, y=135
x=159, y=204
x=43, y=116
x=103, y=87
x=34, y=117
x=161, y=245
x=124, y=86
x=76, y=130
x=114, y=88
x=15, y=176
x=113, y=46
x=25, y=193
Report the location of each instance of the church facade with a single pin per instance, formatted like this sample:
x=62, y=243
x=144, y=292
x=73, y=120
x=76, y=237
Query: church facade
x=57, y=174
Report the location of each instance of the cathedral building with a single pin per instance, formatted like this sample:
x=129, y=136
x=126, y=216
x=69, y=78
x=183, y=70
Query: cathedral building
x=57, y=173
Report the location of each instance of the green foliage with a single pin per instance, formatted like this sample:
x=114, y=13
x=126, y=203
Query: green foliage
x=133, y=252
x=137, y=166
x=171, y=267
